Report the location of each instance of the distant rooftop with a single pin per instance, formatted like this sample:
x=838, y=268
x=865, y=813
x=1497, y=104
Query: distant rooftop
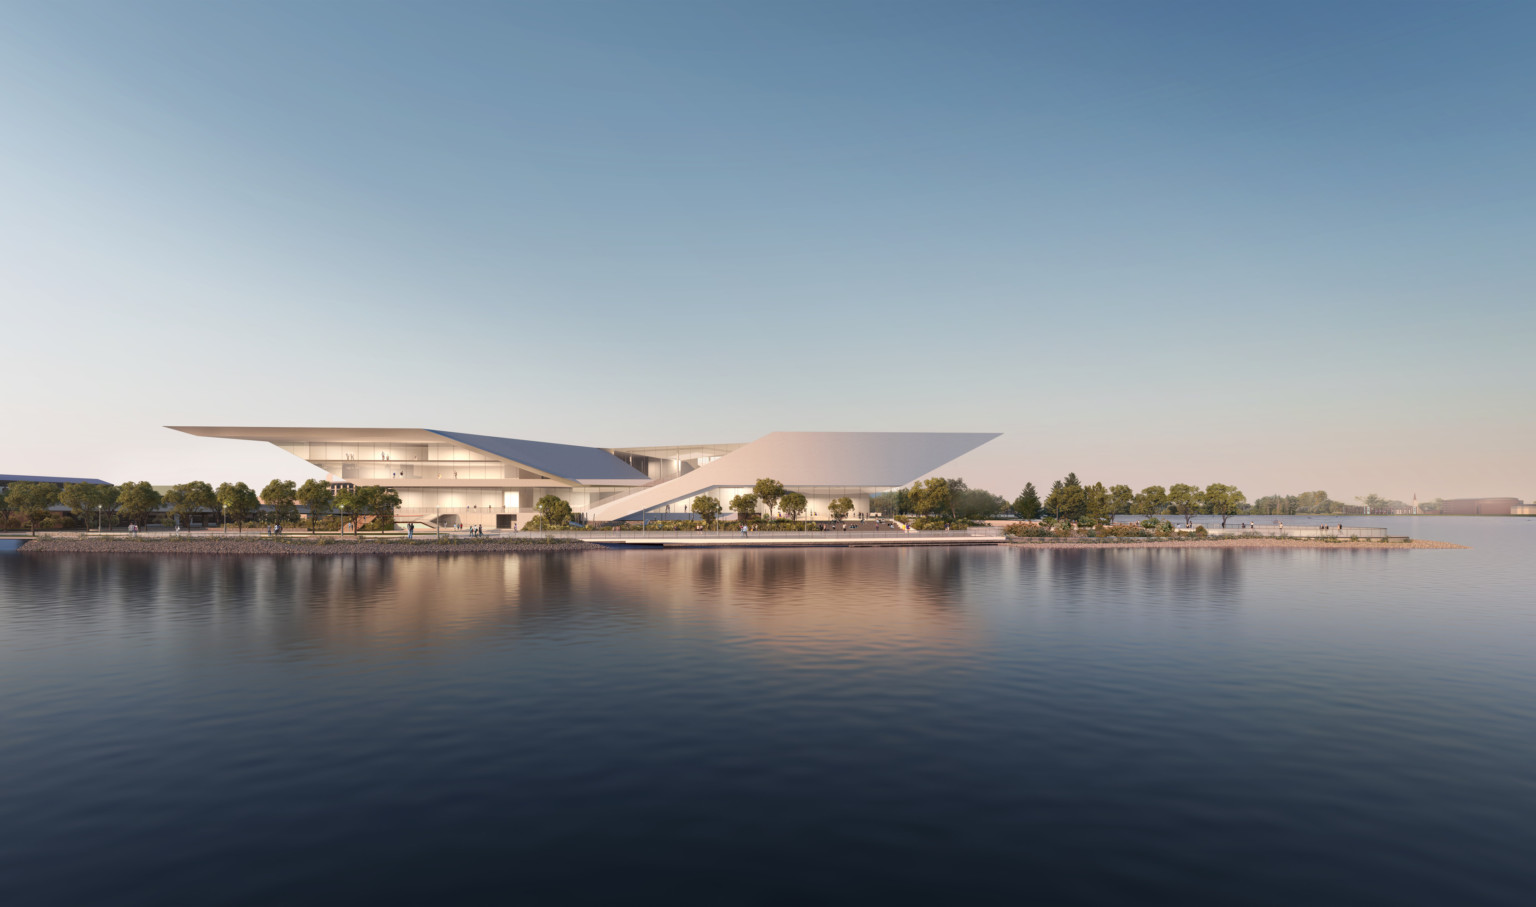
x=56, y=480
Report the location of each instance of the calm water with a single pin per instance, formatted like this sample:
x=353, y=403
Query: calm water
x=911, y=726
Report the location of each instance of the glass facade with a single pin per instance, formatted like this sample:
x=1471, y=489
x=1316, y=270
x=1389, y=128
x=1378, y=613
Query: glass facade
x=377, y=463
x=818, y=499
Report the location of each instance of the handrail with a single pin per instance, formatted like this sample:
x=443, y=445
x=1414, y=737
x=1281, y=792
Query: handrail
x=830, y=535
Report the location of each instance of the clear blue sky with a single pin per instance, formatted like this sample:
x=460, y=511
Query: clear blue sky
x=1286, y=245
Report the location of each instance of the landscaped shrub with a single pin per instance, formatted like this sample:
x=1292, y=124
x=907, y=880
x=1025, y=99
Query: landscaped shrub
x=1026, y=531
x=1122, y=531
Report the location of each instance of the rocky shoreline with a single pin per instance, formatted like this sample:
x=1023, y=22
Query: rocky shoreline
x=302, y=545
x=1218, y=542
x=205, y=545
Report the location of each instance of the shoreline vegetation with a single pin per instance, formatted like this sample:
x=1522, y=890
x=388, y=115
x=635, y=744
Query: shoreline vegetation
x=189, y=545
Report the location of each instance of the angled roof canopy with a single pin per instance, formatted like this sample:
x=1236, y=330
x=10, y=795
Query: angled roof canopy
x=568, y=461
x=563, y=461
x=810, y=458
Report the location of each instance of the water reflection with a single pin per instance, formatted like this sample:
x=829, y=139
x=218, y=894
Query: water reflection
x=918, y=725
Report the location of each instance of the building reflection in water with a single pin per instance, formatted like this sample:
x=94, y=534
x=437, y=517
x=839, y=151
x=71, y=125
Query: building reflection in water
x=795, y=601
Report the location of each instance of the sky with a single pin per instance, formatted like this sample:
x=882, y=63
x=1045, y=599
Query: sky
x=1286, y=246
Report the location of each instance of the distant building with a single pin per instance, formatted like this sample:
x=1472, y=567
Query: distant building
x=1523, y=510
x=6, y=480
x=1479, y=506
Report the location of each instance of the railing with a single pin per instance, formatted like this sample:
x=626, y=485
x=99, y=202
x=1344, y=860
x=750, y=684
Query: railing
x=1305, y=532
x=831, y=535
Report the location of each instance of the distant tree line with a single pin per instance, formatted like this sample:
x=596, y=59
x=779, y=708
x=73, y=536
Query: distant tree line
x=1289, y=504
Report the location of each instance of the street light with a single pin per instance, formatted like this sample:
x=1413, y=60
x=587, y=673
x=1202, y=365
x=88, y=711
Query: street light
x=98, y=518
x=224, y=525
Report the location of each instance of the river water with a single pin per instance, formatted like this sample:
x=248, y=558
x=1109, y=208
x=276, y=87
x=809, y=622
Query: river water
x=755, y=726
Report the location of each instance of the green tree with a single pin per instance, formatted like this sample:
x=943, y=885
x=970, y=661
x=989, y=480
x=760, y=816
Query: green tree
x=1067, y=500
x=840, y=508
x=970, y=503
x=318, y=497
x=707, y=507
x=1185, y=500
x=1052, y=499
x=32, y=500
x=86, y=501
x=1097, y=506
x=350, y=505
x=1027, y=504
x=793, y=503
x=931, y=497
x=191, y=497
x=1223, y=500
x=279, y=495
x=555, y=511
x=745, y=507
x=768, y=492
x=138, y=501
x=378, y=501
x=1150, y=501
x=1120, y=498
x=238, y=501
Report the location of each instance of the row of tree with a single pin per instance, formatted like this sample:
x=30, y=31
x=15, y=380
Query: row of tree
x=1070, y=499
x=772, y=494
x=939, y=497
x=139, y=502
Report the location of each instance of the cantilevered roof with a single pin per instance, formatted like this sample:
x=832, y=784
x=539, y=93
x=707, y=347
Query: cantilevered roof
x=567, y=461
x=562, y=461
x=287, y=434
x=808, y=459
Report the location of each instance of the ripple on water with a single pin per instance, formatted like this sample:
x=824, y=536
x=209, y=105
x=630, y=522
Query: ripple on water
x=762, y=726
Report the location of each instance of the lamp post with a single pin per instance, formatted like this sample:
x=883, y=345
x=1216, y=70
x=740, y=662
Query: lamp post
x=98, y=518
x=224, y=524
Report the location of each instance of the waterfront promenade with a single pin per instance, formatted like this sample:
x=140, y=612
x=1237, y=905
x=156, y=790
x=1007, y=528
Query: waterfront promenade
x=216, y=543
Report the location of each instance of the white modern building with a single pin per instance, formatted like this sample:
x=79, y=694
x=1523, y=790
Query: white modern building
x=455, y=477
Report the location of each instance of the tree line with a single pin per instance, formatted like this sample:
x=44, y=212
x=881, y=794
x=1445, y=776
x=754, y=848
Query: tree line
x=940, y=501
x=771, y=494
x=1072, y=500
x=140, y=502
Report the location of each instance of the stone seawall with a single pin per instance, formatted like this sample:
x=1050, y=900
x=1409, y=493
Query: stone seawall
x=1219, y=542
x=296, y=545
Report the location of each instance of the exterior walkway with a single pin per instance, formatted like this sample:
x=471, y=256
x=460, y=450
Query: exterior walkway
x=984, y=535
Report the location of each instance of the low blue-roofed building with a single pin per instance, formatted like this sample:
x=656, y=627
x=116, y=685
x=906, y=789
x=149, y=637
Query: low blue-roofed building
x=55, y=480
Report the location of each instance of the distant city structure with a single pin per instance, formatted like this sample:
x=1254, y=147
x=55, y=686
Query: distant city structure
x=1480, y=506
x=496, y=482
